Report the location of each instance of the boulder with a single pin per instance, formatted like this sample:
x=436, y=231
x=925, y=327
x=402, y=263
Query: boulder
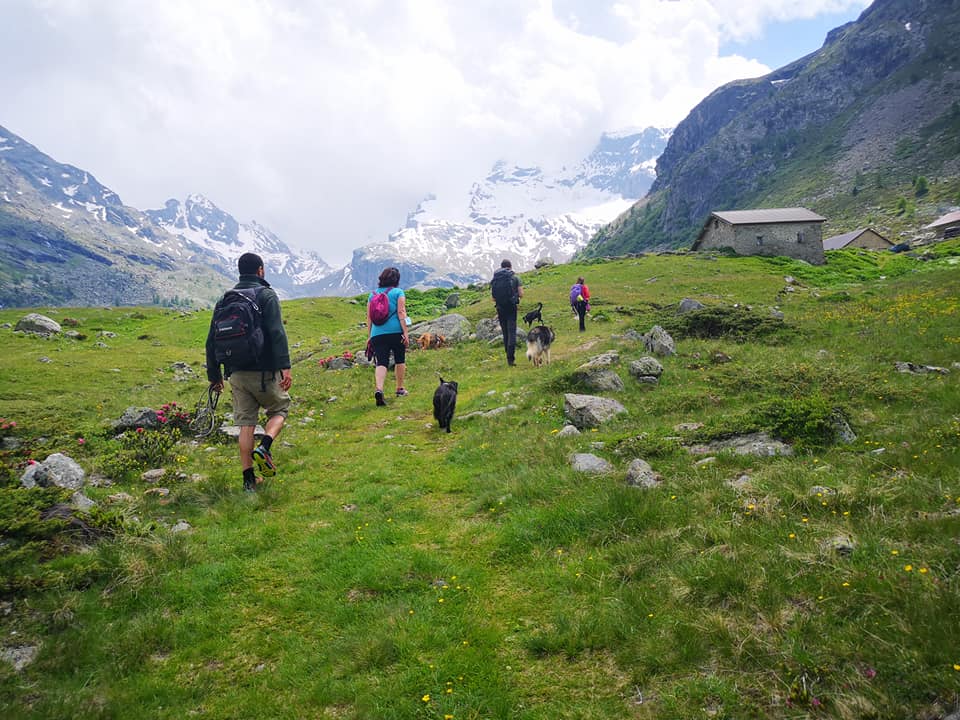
x=589, y=463
x=134, y=417
x=759, y=444
x=568, y=431
x=659, y=342
x=589, y=411
x=689, y=305
x=646, y=367
x=452, y=301
x=597, y=375
x=38, y=324
x=543, y=262
x=488, y=329
x=640, y=474
x=58, y=470
x=453, y=326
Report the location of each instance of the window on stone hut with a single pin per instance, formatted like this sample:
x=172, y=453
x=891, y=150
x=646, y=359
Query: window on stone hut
x=800, y=237
x=716, y=223
x=759, y=240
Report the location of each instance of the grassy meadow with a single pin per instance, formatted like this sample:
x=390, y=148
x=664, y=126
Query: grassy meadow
x=391, y=571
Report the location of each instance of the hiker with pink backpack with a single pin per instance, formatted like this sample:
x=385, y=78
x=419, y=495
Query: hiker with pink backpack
x=580, y=300
x=387, y=331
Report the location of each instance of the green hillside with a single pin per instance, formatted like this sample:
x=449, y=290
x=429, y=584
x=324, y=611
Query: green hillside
x=394, y=571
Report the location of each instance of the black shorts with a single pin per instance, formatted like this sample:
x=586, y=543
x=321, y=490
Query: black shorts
x=383, y=344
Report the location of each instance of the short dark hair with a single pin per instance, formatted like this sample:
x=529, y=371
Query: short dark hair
x=390, y=277
x=580, y=280
x=249, y=263
x=506, y=264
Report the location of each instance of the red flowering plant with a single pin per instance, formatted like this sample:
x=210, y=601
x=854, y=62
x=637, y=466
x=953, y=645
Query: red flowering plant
x=173, y=417
x=325, y=362
x=7, y=427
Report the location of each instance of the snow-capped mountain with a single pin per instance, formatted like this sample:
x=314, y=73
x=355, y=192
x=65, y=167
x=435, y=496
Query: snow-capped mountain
x=522, y=213
x=217, y=238
x=66, y=239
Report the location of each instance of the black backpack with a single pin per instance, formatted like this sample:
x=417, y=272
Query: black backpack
x=238, y=330
x=501, y=287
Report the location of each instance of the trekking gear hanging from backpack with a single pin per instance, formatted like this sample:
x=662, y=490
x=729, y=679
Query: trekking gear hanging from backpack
x=238, y=330
x=501, y=287
x=379, y=307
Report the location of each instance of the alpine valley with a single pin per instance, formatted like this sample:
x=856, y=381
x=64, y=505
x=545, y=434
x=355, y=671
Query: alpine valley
x=66, y=239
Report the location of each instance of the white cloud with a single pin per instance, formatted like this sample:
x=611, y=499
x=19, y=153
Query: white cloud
x=326, y=120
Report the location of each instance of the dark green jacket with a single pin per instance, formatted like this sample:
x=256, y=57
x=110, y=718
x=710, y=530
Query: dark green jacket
x=276, y=354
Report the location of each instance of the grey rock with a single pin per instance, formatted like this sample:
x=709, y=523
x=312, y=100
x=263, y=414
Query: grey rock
x=603, y=360
x=841, y=428
x=840, y=544
x=640, y=474
x=57, y=470
x=19, y=656
x=101, y=345
x=600, y=379
x=568, y=431
x=106, y=334
x=543, y=262
x=646, y=367
x=134, y=417
x=822, y=491
x=44, y=359
x=452, y=301
x=81, y=502
x=181, y=526
x=453, y=326
x=689, y=305
x=589, y=463
x=706, y=461
x=659, y=342
x=233, y=431
x=720, y=358
x=688, y=427
x=741, y=483
x=340, y=363
x=9, y=443
x=38, y=324
x=488, y=329
x=632, y=335
x=758, y=444
x=648, y=380
x=909, y=367
x=776, y=314
x=120, y=497
x=589, y=411
x=152, y=476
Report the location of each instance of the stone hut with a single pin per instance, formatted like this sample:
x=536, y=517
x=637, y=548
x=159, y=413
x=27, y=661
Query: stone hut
x=946, y=226
x=794, y=232
x=866, y=238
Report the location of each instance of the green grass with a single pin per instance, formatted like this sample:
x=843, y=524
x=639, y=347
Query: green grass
x=393, y=571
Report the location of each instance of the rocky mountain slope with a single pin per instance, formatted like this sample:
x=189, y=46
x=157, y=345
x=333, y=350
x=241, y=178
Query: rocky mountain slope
x=215, y=237
x=845, y=131
x=66, y=239
x=522, y=213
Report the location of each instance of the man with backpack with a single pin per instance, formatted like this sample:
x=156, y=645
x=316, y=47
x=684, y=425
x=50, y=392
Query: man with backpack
x=247, y=337
x=507, y=291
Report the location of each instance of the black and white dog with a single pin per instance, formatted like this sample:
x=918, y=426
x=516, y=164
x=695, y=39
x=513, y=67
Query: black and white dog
x=444, y=403
x=538, y=345
x=534, y=315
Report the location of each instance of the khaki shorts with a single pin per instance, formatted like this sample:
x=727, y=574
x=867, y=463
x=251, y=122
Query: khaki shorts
x=248, y=398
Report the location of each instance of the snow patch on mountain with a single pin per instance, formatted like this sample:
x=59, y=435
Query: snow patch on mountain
x=522, y=213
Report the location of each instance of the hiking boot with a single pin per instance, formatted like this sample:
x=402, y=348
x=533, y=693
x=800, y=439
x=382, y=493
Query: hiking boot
x=379, y=397
x=264, y=461
x=250, y=486
x=401, y=392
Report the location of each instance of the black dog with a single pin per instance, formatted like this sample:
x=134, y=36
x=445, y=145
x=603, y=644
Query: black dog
x=534, y=315
x=444, y=403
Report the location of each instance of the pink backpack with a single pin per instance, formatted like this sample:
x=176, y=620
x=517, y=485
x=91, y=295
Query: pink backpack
x=379, y=307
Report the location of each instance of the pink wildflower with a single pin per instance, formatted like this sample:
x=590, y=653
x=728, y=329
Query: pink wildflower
x=80, y=441
x=139, y=429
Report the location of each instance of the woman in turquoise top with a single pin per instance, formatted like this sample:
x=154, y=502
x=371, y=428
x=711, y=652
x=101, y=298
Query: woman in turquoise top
x=391, y=335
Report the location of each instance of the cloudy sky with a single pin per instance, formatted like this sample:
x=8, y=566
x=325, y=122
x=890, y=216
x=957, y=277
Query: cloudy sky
x=327, y=120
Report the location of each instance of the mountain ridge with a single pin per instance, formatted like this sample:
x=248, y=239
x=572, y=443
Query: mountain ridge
x=832, y=131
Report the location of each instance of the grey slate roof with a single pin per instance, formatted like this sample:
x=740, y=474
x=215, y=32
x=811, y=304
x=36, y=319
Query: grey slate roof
x=771, y=215
x=841, y=241
x=945, y=220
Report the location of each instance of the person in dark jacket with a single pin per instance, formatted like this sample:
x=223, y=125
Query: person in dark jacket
x=264, y=386
x=507, y=306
